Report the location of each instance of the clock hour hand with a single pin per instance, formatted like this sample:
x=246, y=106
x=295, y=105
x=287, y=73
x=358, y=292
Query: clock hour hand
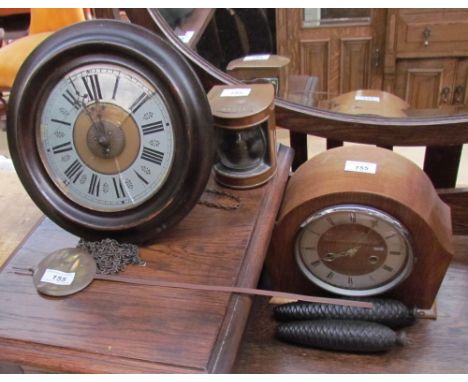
x=98, y=125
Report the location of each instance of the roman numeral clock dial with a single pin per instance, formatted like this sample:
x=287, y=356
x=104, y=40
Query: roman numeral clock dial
x=111, y=131
x=106, y=137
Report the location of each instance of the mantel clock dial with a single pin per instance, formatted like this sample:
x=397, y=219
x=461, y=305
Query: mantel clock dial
x=361, y=221
x=110, y=131
x=354, y=250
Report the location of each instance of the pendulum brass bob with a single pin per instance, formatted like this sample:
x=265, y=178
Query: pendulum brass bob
x=64, y=272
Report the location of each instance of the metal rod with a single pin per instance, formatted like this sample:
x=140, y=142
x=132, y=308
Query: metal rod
x=233, y=289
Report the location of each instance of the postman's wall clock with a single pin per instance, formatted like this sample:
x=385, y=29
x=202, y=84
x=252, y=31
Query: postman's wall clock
x=110, y=131
x=362, y=221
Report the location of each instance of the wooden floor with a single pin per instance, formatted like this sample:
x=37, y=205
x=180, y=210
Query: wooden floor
x=17, y=211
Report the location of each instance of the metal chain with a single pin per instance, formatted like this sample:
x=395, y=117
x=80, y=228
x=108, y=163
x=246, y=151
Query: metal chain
x=110, y=255
x=220, y=205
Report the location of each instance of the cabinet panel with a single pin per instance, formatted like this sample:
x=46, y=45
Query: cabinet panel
x=315, y=61
x=425, y=84
x=422, y=88
x=355, y=64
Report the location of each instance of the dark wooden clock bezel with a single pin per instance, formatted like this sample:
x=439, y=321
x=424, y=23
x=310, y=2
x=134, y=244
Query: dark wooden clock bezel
x=106, y=41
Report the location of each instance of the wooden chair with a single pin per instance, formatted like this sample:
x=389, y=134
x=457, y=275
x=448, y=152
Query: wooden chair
x=15, y=22
x=44, y=22
x=442, y=137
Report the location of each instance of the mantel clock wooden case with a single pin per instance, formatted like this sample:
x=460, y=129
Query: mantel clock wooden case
x=110, y=131
x=245, y=126
x=362, y=221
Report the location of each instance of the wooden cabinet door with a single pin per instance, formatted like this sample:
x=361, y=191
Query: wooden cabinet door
x=426, y=83
x=344, y=57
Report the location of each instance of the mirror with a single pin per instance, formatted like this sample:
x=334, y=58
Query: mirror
x=443, y=135
x=391, y=63
x=299, y=118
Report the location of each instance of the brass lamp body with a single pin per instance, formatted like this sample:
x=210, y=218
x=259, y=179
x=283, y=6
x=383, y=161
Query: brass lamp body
x=245, y=132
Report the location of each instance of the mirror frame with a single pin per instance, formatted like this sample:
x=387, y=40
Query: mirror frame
x=433, y=131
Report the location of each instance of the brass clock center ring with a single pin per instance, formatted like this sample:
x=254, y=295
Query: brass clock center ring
x=106, y=138
x=108, y=143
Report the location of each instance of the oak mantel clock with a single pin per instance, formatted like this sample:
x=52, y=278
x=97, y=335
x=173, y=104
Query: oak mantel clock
x=110, y=131
x=362, y=221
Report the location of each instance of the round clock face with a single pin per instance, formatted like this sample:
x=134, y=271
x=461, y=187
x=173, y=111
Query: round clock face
x=110, y=131
x=354, y=250
x=106, y=137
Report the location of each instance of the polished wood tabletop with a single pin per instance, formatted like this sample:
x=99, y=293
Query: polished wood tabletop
x=137, y=327
x=439, y=346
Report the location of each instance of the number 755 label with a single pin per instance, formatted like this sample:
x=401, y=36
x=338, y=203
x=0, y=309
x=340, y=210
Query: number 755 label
x=364, y=167
x=56, y=277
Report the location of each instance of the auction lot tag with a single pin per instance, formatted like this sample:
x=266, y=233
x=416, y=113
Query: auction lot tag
x=367, y=98
x=364, y=167
x=257, y=57
x=236, y=92
x=53, y=276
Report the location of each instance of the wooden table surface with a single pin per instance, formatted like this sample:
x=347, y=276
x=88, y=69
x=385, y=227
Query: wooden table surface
x=125, y=327
x=439, y=346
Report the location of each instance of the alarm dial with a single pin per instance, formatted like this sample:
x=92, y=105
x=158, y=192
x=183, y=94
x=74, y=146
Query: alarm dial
x=354, y=250
x=106, y=137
